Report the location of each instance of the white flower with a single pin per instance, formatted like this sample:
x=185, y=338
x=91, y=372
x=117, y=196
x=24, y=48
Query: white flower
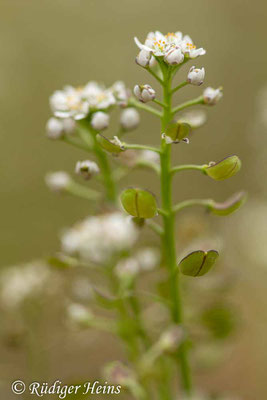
x=87, y=169
x=97, y=96
x=174, y=56
x=212, y=96
x=79, y=314
x=97, y=239
x=195, y=118
x=144, y=93
x=121, y=93
x=148, y=155
x=159, y=45
x=21, y=282
x=55, y=128
x=57, y=181
x=128, y=267
x=148, y=259
x=143, y=58
x=196, y=76
x=69, y=103
x=129, y=119
x=100, y=121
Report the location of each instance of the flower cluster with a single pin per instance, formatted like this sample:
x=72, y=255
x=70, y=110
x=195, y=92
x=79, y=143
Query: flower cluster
x=173, y=47
x=97, y=239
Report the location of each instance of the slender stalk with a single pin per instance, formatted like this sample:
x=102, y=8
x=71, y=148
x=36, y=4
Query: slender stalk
x=168, y=239
x=189, y=103
x=82, y=191
x=188, y=167
x=185, y=83
x=76, y=143
x=140, y=147
x=194, y=202
x=153, y=73
x=144, y=107
x=159, y=103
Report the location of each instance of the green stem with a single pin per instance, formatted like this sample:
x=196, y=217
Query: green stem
x=142, y=106
x=180, y=168
x=194, y=202
x=189, y=103
x=81, y=191
x=159, y=103
x=168, y=239
x=155, y=75
x=140, y=147
x=185, y=83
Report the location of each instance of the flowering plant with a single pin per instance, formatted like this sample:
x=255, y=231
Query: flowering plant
x=109, y=239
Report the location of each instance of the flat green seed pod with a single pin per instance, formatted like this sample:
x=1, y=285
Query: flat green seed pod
x=198, y=262
x=224, y=169
x=113, y=146
x=139, y=203
x=229, y=206
x=178, y=130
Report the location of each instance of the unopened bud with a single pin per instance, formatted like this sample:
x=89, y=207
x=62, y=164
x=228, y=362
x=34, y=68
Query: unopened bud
x=144, y=93
x=129, y=119
x=212, y=96
x=58, y=181
x=139, y=203
x=87, y=169
x=198, y=263
x=100, y=121
x=143, y=58
x=174, y=56
x=196, y=76
x=54, y=128
x=171, y=339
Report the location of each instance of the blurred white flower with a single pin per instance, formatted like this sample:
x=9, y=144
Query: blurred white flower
x=159, y=45
x=79, y=314
x=128, y=267
x=100, y=121
x=144, y=93
x=148, y=155
x=69, y=103
x=96, y=239
x=21, y=282
x=212, y=96
x=195, y=118
x=148, y=259
x=129, y=119
x=121, y=93
x=196, y=76
x=57, y=181
x=87, y=169
x=97, y=96
x=56, y=128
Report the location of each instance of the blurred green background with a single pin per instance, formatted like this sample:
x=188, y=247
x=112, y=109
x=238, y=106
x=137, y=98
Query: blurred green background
x=47, y=44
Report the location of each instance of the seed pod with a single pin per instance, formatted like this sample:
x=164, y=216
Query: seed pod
x=177, y=131
x=198, y=262
x=230, y=205
x=139, y=203
x=223, y=169
x=113, y=146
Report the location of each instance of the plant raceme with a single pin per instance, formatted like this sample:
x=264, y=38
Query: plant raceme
x=108, y=239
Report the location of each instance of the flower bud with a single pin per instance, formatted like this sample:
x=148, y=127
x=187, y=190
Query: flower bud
x=223, y=169
x=196, y=76
x=79, y=314
x=171, y=339
x=87, y=169
x=198, y=263
x=144, y=93
x=113, y=146
x=174, y=56
x=139, y=203
x=230, y=205
x=212, y=96
x=129, y=119
x=100, y=121
x=54, y=128
x=143, y=58
x=58, y=181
